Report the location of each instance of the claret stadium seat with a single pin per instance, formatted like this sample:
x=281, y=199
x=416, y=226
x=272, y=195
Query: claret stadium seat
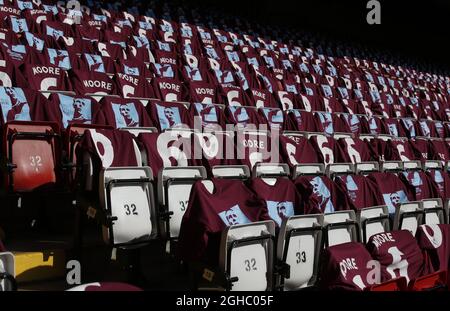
x=73, y=135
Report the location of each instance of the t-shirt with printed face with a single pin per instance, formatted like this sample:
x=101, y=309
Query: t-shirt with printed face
x=208, y=214
x=122, y=112
x=18, y=104
x=321, y=195
x=67, y=110
x=280, y=195
x=392, y=189
x=165, y=115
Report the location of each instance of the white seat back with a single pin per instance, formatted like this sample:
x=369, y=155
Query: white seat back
x=138, y=130
x=391, y=166
x=231, y=171
x=174, y=189
x=430, y=165
x=384, y=137
x=367, y=167
x=299, y=246
x=434, y=211
x=308, y=169
x=340, y=227
x=366, y=136
x=126, y=193
x=273, y=169
x=408, y=216
x=337, y=135
x=339, y=169
x=373, y=220
x=311, y=134
x=293, y=134
x=412, y=165
x=246, y=252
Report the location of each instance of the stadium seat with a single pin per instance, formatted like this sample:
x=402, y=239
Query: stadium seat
x=398, y=254
x=373, y=220
x=338, y=135
x=412, y=165
x=126, y=196
x=408, y=216
x=104, y=148
x=432, y=240
x=246, y=256
x=339, y=169
x=340, y=227
x=308, y=169
x=394, y=285
x=298, y=251
x=73, y=135
x=231, y=171
x=32, y=151
x=392, y=166
x=138, y=130
x=430, y=164
x=174, y=188
x=431, y=282
x=7, y=272
x=367, y=167
x=434, y=212
x=105, y=287
x=270, y=170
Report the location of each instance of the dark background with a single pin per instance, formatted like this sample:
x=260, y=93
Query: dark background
x=418, y=30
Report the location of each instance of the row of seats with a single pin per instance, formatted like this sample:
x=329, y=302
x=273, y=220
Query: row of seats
x=64, y=109
x=40, y=150
x=185, y=191
x=264, y=82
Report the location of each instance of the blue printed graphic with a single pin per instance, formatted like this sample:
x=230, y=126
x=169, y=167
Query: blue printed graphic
x=168, y=116
x=59, y=58
x=280, y=210
x=321, y=191
x=19, y=25
x=14, y=104
x=393, y=200
x=95, y=62
x=75, y=110
x=126, y=115
x=233, y=216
